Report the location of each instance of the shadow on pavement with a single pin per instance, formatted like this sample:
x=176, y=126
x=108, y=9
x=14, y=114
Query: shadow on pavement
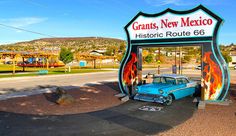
x=120, y=120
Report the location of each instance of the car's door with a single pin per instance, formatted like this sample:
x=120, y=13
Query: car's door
x=178, y=92
x=183, y=88
x=189, y=89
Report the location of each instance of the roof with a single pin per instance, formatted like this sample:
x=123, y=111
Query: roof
x=99, y=51
x=233, y=53
x=27, y=53
x=171, y=75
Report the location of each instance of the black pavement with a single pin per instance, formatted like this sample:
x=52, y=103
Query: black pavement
x=125, y=119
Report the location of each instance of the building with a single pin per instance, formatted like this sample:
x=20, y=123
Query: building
x=97, y=52
x=233, y=56
x=172, y=53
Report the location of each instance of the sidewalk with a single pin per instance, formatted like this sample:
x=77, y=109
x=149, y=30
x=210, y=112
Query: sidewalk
x=9, y=95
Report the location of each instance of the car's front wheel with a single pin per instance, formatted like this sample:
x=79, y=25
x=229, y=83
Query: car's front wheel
x=169, y=100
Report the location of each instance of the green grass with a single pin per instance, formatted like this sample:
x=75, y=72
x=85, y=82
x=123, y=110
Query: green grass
x=6, y=71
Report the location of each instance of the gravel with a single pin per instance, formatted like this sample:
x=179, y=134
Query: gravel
x=214, y=120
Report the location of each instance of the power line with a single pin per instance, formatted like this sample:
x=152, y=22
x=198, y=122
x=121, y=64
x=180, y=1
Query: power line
x=21, y=29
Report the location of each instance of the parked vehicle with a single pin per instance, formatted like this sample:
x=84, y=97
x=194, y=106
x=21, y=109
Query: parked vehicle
x=198, y=67
x=9, y=62
x=235, y=67
x=166, y=88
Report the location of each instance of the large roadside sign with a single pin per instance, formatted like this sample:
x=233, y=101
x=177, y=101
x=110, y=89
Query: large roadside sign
x=198, y=26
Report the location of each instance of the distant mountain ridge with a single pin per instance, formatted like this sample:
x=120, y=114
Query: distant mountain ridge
x=81, y=44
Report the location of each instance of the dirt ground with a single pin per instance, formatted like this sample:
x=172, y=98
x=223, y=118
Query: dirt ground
x=215, y=120
x=87, y=99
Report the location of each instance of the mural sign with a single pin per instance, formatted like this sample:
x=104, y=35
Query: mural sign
x=196, y=27
x=198, y=24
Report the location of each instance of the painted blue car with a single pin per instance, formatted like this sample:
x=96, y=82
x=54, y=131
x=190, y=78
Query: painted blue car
x=166, y=88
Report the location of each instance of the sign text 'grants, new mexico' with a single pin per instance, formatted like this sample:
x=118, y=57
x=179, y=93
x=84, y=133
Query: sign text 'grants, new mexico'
x=197, y=24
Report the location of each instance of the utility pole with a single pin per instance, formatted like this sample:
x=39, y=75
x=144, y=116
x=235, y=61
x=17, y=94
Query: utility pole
x=23, y=59
x=179, y=60
x=175, y=66
x=175, y=56
x=14, y=65
x=159, y=57
x=47, y=63
x=94, y=63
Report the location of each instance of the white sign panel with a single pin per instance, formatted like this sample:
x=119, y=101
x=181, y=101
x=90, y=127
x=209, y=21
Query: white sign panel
x=169, y=25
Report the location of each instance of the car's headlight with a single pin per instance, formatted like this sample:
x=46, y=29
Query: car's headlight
x=136, y=88
x=161, y=91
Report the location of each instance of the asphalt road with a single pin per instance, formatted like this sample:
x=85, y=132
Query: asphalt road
x=31, y=83
x=125, y=119
x=76, y=80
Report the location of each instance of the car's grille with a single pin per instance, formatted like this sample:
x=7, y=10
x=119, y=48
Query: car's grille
x=149, y=95
x=149, y=98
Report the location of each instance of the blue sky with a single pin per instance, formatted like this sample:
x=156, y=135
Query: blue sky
x=103, y=18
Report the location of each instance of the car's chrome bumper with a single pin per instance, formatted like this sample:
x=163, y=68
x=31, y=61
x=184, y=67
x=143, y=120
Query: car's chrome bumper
x=150, y=98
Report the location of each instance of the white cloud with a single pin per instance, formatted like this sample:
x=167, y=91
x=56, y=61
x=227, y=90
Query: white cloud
x=23, y=21
x=182, y=2
x=167, y=2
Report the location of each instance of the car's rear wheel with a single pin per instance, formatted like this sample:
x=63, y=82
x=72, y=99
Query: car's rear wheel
x=169, y=100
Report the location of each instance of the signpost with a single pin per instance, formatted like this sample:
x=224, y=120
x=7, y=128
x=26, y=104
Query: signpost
x=170, y=28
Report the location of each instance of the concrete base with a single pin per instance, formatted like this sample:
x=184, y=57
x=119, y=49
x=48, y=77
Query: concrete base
x=120, y=95
x=196, y=99
x=125, y=99
x=224, y=103
x=201, y=105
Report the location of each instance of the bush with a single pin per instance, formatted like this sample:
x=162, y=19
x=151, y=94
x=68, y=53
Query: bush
x=149, y=58
x=66, y=56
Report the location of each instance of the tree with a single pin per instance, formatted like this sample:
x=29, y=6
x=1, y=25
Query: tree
x=111, y=50
x=149, y=58
x=120, y=56
x=186, y=59
x=66, y=56
x=227, y=57
x=122, y=47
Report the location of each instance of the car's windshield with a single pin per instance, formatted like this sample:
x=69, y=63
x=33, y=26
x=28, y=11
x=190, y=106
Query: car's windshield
x=166, y=80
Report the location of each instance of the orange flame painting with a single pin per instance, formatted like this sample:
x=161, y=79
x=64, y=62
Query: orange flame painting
x=130, y=70
x=212, y=81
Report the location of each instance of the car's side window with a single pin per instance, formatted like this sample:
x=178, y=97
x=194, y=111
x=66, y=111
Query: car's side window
x=179, y=81
x=163, y=80
x=185, y=81
x=182, y=81
x=157, y=80
x=170, y=80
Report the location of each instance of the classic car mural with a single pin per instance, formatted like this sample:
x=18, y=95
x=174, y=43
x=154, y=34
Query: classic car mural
x=166, y=88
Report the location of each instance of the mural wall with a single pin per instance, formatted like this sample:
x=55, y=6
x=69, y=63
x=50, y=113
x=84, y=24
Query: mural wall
x=130, y=74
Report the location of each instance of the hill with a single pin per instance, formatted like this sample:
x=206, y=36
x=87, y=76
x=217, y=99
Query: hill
x=80, y=44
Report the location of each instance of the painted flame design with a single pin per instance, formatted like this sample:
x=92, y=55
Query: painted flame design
x=130, y=70
x=212, y=81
